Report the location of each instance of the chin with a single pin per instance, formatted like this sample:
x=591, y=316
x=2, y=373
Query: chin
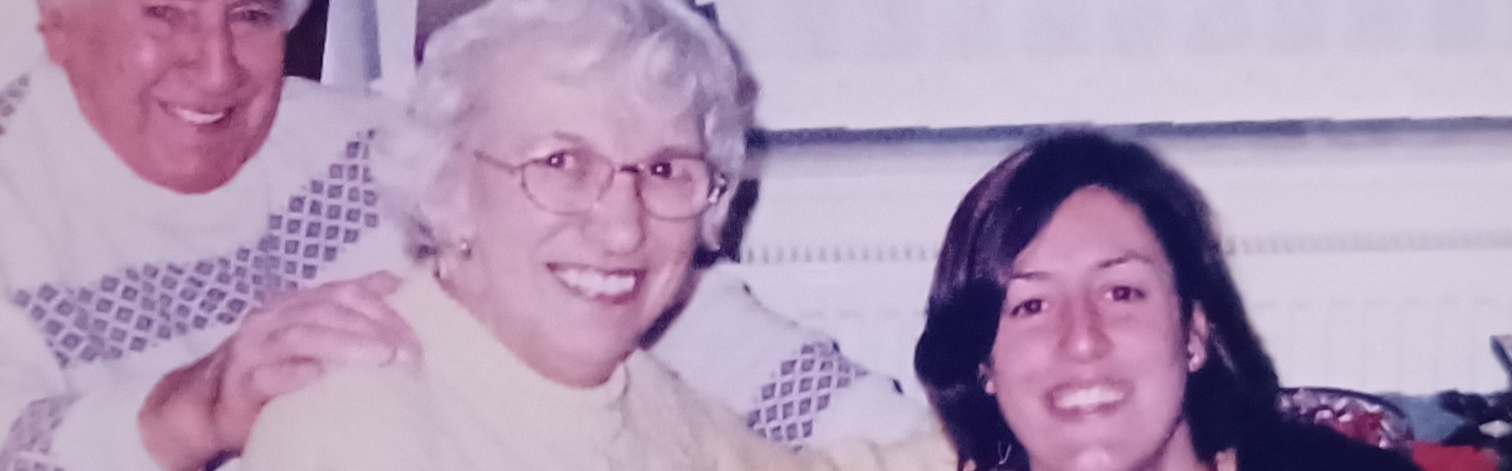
x=210, y=171
x=601, y=345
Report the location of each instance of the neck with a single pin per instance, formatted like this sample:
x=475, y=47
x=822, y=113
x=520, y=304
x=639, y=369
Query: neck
x=565, y=371
x=1178, y=453
x=190, y=185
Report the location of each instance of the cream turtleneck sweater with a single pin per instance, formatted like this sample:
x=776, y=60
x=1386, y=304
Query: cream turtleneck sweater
x=472, y=405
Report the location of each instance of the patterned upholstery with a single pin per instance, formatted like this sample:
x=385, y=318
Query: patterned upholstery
x=1360, y=416
x=10, y=97
x=798, y=391
x=29, y=446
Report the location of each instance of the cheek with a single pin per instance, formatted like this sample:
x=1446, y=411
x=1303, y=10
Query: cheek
x=1016, y=396
x=1019, y=364
x=500, y=221
x=1024, y=350
x=669, y=252
x=263, y=57
x=1155, y=355
x=115, y=67
x=1156, y=339
x=509, y=221
x=671, y=242
x=146, y=56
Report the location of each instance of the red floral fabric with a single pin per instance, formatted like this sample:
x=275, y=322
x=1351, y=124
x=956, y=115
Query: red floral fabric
x=1360, y=416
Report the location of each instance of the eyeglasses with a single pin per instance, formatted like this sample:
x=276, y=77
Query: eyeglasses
x=572, y=182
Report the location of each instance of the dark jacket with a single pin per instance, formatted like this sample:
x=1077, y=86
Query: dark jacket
x=1298, y=447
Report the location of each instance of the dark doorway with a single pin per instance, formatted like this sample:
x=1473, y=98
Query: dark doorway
x=306, y=43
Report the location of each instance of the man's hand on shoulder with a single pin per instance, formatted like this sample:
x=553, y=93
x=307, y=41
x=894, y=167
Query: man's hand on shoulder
x=208, y=408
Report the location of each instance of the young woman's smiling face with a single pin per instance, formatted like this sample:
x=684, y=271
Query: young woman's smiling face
x=1091, y=357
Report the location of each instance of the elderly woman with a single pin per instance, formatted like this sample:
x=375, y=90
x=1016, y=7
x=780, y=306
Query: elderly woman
x=1082, y=318
x=580, y=153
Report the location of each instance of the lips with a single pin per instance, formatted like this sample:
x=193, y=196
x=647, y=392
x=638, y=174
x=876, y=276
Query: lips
x=1085, y=398
x=610, y=286
x=198, y=116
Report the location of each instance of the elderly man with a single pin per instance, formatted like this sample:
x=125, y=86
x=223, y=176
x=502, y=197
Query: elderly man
x=185, y=234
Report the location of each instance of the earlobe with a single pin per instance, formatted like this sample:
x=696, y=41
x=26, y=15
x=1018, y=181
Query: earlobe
x=54, y=34
x=450, y=256
x=714, y=219
x=1197, y=339
x=985, y=373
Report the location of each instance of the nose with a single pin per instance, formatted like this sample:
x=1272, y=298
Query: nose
x=210, y=58
x=1084, y=336
x=617, y=221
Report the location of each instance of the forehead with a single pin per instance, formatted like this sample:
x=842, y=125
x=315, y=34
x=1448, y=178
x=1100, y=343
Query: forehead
x=1090, y=227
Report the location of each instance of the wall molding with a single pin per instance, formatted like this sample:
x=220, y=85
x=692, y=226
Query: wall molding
x=760, y=139
x=1235, y=246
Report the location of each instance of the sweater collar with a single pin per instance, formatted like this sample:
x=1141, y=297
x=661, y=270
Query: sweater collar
x=460, y=350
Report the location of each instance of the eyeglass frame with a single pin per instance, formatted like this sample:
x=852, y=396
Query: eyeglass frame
x=719, y=184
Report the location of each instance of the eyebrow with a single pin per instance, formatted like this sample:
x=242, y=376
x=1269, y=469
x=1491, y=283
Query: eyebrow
x=669, y=153
x=1125, y=258
x=665, y=153
x=278, y=4
x=569, y=137
x=572, y=142
x=1028, y=275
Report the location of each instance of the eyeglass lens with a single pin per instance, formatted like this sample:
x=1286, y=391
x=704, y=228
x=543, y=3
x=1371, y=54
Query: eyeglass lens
x=569, y=183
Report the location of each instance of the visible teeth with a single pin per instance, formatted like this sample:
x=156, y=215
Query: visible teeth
x=1088, y=398
x=196, y=117
x=597, y=283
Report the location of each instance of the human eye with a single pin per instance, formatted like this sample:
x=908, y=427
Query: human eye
x=680, y=170
x=560, y=160
x=1028, y=307
x=255, y=15
x=567, y=165
x=663, y=170
x=163, y=12
x=1125, y=293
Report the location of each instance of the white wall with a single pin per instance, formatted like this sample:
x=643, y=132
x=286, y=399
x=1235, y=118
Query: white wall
x=20, y=45
x=951, y=63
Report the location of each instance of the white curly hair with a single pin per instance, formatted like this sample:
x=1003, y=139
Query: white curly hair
x=685, y=60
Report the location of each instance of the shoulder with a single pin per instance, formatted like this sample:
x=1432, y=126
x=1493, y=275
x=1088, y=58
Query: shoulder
x=1302, y=447
x=655, y=388
x=304, y=95
x=310, y=113
x=374, y=418
x=353, y=390
x=646, y=373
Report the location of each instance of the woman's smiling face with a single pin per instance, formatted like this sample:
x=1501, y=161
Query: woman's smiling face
x=1091, y=357
x=581, y=288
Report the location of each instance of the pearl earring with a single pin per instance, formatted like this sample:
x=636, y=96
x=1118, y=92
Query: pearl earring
x=464, y=253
